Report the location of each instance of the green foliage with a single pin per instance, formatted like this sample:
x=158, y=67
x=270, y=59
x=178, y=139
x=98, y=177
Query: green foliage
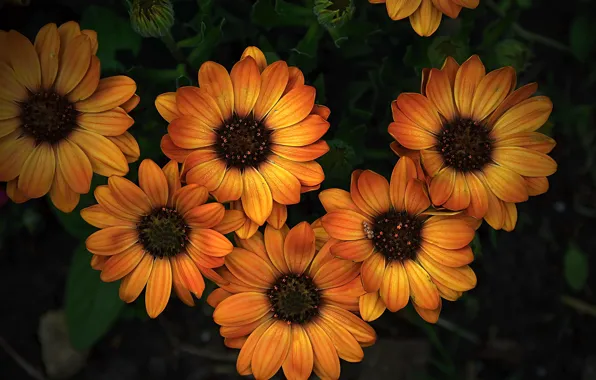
x=113, y=37
x=576, y=268
x=582, y=37
x=92, y=306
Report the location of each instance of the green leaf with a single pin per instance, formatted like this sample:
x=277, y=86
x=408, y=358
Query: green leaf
x=576, y=268
x=92, y=306
x=205, y=47
x=513, y=53
x=442, y=47
x=582, y=37
x=113, y=36
x=304, y=55
x=274, y=13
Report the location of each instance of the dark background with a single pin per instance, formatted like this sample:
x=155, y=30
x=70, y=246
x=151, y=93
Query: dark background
x=533, y=313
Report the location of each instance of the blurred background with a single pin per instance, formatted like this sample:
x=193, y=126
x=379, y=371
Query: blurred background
x=533, y=313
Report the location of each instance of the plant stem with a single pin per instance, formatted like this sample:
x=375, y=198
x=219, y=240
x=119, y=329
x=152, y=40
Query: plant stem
x=170, y=43
x=527, y=35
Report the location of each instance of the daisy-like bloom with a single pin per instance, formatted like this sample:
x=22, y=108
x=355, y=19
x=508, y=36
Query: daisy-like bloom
x=477, y=139
x=290, y=305
x=250, y=135
x=159, y=235
x=59, y=122
x=425, y=15
x=407, y=250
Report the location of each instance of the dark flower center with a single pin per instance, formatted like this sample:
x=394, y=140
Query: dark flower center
x=243, y=142
x=163, y=233
x=294, y=298
x=465, y=144
x=48, y=117
x=396, y=234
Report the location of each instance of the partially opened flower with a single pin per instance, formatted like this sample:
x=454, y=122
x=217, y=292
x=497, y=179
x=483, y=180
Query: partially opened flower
x=159, y=235
x=425, y=15
x=290, y=305
x=407, y=251
x=250, y=135
x=59, y=122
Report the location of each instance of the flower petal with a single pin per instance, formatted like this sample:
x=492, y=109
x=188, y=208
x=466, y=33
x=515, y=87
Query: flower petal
x=299, y=248
x=133, y=284
x=337, y=199
x=74, y=64
x=253, y=305
x=284, y=187
x=372, y=272
x=423, y=291
x=105, y=197
x=530, y=140
x=111, y=92
x=403, y=171
x=400, y=9
x=430, y=316
x=198, y=103
x=271, y=350
x=232, y=220
x=243, y=364
x=187, y=272
x=63, y=197
x=118, y=266
x=128, y=145
x=37, y=172
x=447, y=232
x=214, y=78
x=335, y=273
x=159, y=287
x=167, y=107
x=361, y=330
x=308, y=173
x=526, y=116
x=491, y=92
x=188, y=197
x=410, y=135
x=355, y=250
x=47, y=45
x=189, y=132
x=416, y=197
x=299, y=362
x=395, y=290
x=273, y=83
x=459, y=279
x=345, y=224
x=153, y=182
x=512, y=99
x=88, y=84
x=112, y=240
x=346, y=345
x=130, y=195
x=418, y=110
x=426, y=20
x=274, y=243
x=460, y=197
x=495, y=214
x=505, y=183
x=536, y=185
x=250, y=268
x=230, y=188
x=371, y=306
x=105, y=157
x=279, y=215
x=205, y=216
x=209, y=174
x=98, y=217
x=257, y=200
x=439, y=92
x=326, y=362
x=11, y=89
x=467, y=79
x=374, y=189
x=291, y=108
x=510, y=211
x=256, y=54
x=478, y=196
x=173, y=151
x=295, y=79
x=210, y=242
x=441, y=186
x=217, y=296
x=432, y=161
x=305, y=132
x=74, y=166
x=23, y=59
x=113, y=122
x=303, y=153
x=523, y=161
x=246, y=80
x=14, y=151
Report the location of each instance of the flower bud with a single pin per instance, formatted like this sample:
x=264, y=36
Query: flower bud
x=333, y=13
x=151, y=18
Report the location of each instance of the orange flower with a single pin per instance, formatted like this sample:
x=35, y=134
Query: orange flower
x=59, y=122
x=288, y=305
x=277, y=219
x=425, y=15
x=407, y=251
x=477, y=139
x=159, y=234
x=250, y=135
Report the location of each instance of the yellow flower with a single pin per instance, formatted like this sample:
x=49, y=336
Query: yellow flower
x=59, y=122
x=287, y=304
x=407, y=250
x=159, y=235
x=425, y=15
x=251, y=135
x=477, y=139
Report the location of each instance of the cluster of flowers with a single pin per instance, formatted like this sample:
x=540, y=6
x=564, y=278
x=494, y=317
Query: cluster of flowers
x=247, y=142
